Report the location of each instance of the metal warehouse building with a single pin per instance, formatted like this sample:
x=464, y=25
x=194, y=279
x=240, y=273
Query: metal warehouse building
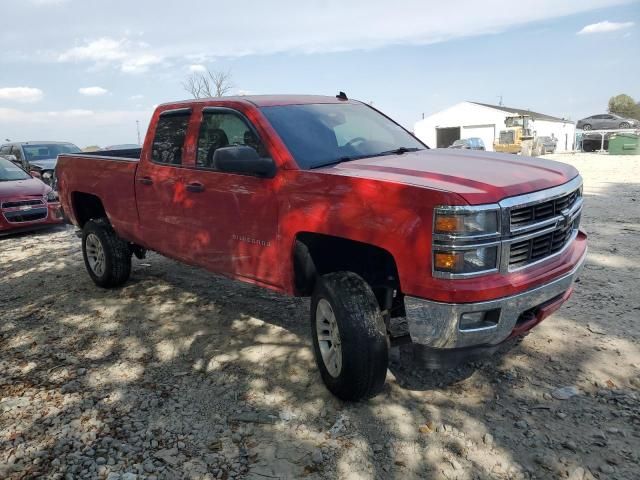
x=473, y=119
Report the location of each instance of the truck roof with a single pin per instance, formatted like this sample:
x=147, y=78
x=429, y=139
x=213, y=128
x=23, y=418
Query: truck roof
x=266, y=100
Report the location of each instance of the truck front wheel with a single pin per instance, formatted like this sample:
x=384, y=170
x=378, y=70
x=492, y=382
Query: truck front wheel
x=349, y=336
x=106, y=256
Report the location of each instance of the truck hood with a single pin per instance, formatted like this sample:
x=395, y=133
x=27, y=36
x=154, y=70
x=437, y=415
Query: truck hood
x=45, y=164
x=477, y=176
x=31, y=187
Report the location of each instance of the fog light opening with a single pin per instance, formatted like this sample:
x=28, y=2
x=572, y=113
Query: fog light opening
x=479, y=320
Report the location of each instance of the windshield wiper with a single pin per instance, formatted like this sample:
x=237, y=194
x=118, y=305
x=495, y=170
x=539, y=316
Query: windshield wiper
x=398, y=151
x=348, y=158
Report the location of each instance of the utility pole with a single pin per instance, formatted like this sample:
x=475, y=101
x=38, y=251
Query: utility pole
x=500, y=102
x=138, y=129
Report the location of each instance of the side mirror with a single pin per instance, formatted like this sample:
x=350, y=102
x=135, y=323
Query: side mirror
x=243, y=160
x=36, y=174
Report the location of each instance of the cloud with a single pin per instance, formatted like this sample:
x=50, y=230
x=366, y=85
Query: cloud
x=15, y=116
x=604, y=27
x=21, y=94
x=304, y=27
x=197, y=68
x=84, y=127
x=48, y=2
x=92, y=91
x=136, y=97
x=131, y=57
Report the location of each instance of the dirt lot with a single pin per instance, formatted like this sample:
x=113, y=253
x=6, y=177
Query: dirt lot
x=181, y=374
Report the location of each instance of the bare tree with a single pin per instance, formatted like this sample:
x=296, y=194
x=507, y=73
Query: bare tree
x=208, y=84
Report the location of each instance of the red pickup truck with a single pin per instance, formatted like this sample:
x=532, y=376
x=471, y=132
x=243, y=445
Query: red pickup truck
x=453, y=251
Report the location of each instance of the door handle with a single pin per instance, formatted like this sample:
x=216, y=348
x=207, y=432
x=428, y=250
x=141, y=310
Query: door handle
x=195, y=187
x=145, y=180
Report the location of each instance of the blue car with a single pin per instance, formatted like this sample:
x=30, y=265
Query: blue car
x=39, y=158
x=473, y=143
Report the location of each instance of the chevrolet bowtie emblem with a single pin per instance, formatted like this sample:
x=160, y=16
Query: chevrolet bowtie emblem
x=565, y=220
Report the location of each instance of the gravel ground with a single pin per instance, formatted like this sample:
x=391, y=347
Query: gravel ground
x=181, y=374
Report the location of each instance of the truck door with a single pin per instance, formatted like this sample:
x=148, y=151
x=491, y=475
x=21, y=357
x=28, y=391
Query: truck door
x=232, y=218
x=160, y=185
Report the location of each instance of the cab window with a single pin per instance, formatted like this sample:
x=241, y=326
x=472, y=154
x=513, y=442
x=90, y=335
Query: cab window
x=224, y=129
x=168, y=142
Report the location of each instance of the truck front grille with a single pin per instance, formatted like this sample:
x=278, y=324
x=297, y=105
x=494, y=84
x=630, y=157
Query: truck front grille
x=525, y=252
x=544, y=210
x=540, y=225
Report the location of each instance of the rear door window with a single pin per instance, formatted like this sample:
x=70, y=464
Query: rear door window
x=168, y=142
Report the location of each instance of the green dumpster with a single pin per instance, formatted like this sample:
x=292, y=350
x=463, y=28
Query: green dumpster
x=624, y=144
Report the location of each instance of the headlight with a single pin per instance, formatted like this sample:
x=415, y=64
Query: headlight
x=52, y=196
x=465, y=223
x=466, y=240
x=474, y=260
x=47, y=175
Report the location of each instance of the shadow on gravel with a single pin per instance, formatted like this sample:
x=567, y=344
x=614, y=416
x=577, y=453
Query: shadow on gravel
x=181, y=374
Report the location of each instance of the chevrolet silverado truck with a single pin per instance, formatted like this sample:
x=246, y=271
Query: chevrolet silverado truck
x=452, y=251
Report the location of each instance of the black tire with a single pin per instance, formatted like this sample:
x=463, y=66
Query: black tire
x=586, y=127
x=116, y=261
x=362, y=332
x=624, y=125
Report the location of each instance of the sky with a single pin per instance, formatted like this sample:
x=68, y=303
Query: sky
x=86, y=70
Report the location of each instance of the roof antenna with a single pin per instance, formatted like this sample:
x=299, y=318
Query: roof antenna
x=342, y=96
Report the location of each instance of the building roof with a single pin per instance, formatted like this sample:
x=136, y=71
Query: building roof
x=519, y=111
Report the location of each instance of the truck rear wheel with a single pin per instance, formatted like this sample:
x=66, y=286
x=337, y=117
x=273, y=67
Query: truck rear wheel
x=349, y=336
x=106, y=256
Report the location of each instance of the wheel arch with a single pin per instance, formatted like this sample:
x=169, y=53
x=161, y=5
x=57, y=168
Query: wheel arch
x=86, y=206
x=316, y=254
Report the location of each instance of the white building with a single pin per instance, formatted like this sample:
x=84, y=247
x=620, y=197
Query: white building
x=472, y=119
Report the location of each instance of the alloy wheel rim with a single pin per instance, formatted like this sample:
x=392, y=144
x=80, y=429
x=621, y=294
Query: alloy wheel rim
x=95, y=254
x=328, y=336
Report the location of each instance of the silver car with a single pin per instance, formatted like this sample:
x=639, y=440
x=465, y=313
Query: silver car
x=606, y=121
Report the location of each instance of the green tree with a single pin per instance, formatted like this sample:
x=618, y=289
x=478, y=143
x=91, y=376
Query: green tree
x=624, y=105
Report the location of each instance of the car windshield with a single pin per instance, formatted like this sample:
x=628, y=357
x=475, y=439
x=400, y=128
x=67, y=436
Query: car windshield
x=459, y=142
x=324, y=134
x=42, y=151
x=10, y=172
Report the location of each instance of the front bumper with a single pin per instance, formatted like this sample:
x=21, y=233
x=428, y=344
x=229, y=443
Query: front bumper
x=437, y=325
x=52, y=217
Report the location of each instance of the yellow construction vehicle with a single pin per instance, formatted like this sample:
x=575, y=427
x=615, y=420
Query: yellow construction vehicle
x=517, y=138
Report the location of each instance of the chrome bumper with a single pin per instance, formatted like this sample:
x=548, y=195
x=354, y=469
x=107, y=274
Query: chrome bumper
x=437, y=325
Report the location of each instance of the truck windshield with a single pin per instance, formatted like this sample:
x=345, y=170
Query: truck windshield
x=318, y=135
x=10, y=172
x=42, y=151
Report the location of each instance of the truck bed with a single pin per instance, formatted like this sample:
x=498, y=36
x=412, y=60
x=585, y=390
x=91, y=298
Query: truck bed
x=131, y=153
x=106, y=175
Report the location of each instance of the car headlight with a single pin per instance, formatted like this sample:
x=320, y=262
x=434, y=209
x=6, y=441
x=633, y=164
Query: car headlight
x=47, y=175
x=473, y=260
x=52, y=196
x=466, y=241
x=465, y=223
